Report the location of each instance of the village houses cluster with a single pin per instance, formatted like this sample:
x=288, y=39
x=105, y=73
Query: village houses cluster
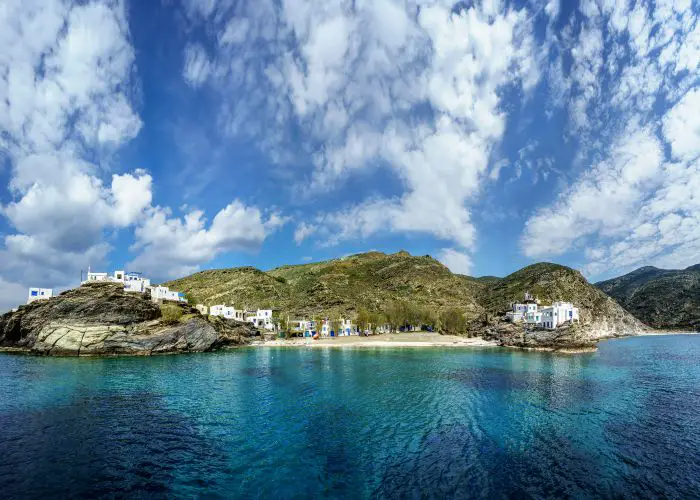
x=137, y=283
x=547, y=317
x=528, y=311
x=260, y=318
x=324, y=328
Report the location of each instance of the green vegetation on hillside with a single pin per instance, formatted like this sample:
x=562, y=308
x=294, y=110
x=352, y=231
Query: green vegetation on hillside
x=661, y=298
x=372, y=281
x=398, y=289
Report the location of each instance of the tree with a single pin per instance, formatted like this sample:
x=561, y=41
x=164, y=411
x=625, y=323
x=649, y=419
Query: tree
x=453, y=322
x=396, y=314
x=363, y=319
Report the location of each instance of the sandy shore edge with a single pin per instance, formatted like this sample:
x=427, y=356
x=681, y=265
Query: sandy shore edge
x=398, y=340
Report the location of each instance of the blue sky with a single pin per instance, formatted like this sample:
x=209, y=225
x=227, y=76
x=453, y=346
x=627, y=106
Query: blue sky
x=171, y=136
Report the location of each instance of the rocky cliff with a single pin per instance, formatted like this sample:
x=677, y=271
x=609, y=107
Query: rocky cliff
x=102, y=319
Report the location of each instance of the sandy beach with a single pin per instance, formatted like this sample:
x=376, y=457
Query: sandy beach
x=413, y=339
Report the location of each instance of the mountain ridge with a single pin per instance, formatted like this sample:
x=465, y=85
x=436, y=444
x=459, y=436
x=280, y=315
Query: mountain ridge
x=661, y=298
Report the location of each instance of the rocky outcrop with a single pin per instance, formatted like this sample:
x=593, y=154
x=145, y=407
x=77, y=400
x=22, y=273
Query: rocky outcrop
x=101, y=319
x=610, y=321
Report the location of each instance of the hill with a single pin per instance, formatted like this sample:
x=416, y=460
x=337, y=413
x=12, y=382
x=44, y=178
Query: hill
x=338, y=287
x=600, y=315
x=375, y=280
x=661, y=298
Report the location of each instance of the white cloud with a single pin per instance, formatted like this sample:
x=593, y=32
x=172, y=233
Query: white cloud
x=302, y=232
x=421, y=93
x=681, y=127
x=66, y=70
x=197, y=65
x=458, y=262
x=637, y=205
x=172, y=246
x=10, y=295
x=603, y=201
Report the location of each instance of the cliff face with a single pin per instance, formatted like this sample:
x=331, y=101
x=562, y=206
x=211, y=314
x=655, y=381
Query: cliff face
x=661, y=298
x=102, y=319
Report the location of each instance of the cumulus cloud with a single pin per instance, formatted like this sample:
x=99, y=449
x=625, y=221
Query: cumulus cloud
x=458, y=262
x=173, y=246
x=65, y=72
x=66, y=80
x=420, y=94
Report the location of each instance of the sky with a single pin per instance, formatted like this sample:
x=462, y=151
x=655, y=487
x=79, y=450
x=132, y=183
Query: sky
x=170, y=136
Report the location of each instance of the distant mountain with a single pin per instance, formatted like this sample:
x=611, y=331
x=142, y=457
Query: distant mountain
x=374, y=280
x=661, y=298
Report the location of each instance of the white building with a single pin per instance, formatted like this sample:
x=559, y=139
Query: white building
x=549, y=317
x=164, y=293
x=39, y=294
x=557, y=314
x=227, y=312
x=305, y=327
x=262, y=318
x=204, y=310
x=136, y=283
x=346, y=328
x=96, y=277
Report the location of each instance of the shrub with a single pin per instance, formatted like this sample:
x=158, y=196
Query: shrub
x=453, y=322
x=170, y=313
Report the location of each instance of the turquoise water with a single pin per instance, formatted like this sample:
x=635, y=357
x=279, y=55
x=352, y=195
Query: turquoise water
x=292, y=423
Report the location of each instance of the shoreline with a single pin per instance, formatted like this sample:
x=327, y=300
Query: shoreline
x=653, y=333
x=415, y=339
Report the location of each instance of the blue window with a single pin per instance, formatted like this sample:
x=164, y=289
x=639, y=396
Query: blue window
x=34, y=293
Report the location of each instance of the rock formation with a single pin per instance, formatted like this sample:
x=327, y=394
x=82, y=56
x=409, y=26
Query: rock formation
x=102, y=319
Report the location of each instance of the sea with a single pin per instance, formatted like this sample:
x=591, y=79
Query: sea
x=623, y=422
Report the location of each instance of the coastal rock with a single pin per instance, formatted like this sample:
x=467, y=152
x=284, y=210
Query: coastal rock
x=101, y=319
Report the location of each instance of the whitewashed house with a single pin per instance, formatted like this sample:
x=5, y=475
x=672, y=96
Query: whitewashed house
x=262, y=318
x=302, y=326
x=39, y=294
x=96, y=277
x=227, y=312
x=327, y=328
x=525, y=311
x=346, y=328
x=159, y=293
x=557, y=314
x=549, y=317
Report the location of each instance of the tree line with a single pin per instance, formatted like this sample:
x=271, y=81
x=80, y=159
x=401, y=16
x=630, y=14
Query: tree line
x=401, y=314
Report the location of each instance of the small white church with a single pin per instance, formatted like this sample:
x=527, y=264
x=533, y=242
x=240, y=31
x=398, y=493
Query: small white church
x=548, y=317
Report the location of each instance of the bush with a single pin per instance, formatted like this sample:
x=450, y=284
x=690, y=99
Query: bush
x=170, y=313
x=453, y=322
